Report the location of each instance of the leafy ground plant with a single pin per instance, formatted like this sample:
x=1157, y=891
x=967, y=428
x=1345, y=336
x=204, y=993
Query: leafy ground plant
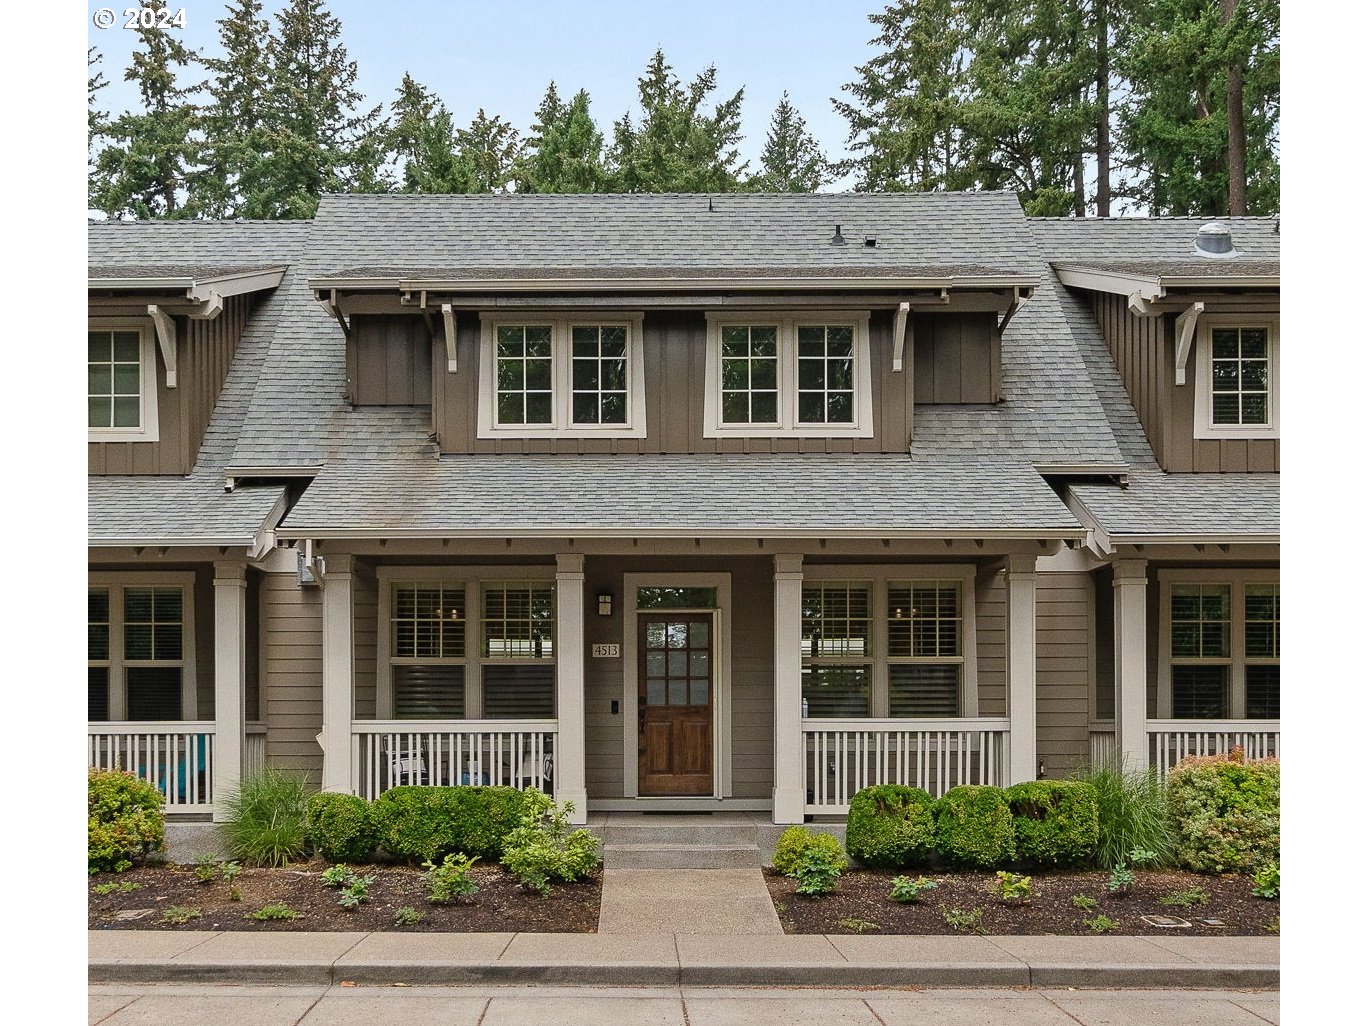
x=1101, y=923
x=1266, y=883
x=1011, y=887
x=451, y=880
x=117, y=887
x=817, y=872
x=857, y=925
x=230, y=871
x=1186, y=898
x=266, y=818
x=905, y=889
x=1084, y=902
x=964, y=920
x=206, y=869
x=407, y=916
x=543, y=848
x=356, y=890
x=1121, y=880
x=179, y=914
x=335, y=876
x=274, y=910
x=1273, y=925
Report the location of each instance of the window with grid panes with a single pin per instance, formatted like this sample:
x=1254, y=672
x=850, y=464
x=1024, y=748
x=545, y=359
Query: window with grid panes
x=98, y=653
x=427, y=650
x=826, y=374
x=598, y=392
x=1200, y=651
x=523, y=374
x=1262, y=651
x=1240, y=375
x=837, y=650
x=750, y=374
x=518, y=672
x=114, y=378
x=153, y=651
x=925, y=648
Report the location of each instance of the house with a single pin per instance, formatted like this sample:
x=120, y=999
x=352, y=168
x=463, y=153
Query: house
x=685, y=502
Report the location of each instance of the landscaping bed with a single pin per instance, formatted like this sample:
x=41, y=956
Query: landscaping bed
x=860, y=904
x=500, y=905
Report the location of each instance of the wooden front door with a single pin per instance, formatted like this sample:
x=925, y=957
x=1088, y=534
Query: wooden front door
x=675, y=704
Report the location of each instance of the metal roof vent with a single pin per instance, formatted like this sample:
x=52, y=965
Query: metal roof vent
x=838, y=239
x=1213, y=240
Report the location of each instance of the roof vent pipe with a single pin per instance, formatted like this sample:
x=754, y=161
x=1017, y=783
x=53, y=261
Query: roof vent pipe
x=838, y=239
x=1213, y=240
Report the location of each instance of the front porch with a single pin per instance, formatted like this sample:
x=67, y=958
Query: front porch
x=1170, y=741
x=178, y=758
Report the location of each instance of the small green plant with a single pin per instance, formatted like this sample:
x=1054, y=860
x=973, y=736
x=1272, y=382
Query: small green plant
x=1101, y=923
x=857, y=925
x=230, y=871
x=964, y=920
x=797, y=840
x=407, y=916
x=1121, y=880
x=1142, y=857
x=266, y=818
x=179, y=914
x=450, y=880
x=234, y=894
x=1186, y=898
x=541, y=849
x=356, y=890
x=1273, y=925
x=906, y=889
x=818, y=870
x=1084, y=902
x=1011, y=887
x=274, y=910
x=1266, y=881
x=335, y=876
x=206, y=869
x=117, y=887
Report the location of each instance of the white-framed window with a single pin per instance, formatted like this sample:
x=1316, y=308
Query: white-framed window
x=121, y=382
x=893, y=641
x=777, y=374
x=1237, y=378
x=141, y=646
x=1220, y=645
x=467, y=643
x=546, y=376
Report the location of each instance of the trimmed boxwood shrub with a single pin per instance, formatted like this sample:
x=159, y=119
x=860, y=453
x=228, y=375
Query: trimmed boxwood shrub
x=1055, y=821
x=1227, y=812
x=125, y=822
x=797, y=841
x=890, y=826
x=341, y=827
x=974, y=826
x=420, y=823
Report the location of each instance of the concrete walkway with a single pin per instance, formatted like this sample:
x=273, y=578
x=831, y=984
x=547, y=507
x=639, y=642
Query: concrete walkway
x=635, y=959
x=651, y=902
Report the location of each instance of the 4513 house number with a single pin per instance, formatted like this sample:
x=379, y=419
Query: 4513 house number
x=606, y=651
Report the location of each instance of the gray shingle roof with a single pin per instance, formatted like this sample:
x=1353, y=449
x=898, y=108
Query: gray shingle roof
x=192, y=269
x=1155, y=505
x=415, y=492
x=1150, y=238
x=616, y=272
x=1194, y=268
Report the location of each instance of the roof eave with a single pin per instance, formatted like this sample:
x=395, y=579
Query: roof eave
x=1154, y=286
x=675, y=284
x=235, y=284
x=293, y=532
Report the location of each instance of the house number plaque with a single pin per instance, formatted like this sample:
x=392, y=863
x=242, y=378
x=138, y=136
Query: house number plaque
x=606, y=651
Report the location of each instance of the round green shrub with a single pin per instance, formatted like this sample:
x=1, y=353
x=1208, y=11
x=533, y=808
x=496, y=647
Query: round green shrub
x=125, y=822
x=796, y=841
x=974, y=826
x=428, y=823
x=1055, y=821
x=341, y=827
x=1227, y=811
x=890, y=826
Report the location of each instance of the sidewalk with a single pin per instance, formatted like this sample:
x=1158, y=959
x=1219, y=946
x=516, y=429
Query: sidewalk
x=128, y=956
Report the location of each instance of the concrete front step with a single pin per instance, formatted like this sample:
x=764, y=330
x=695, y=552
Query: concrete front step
x=650, y=831
x=663, y=855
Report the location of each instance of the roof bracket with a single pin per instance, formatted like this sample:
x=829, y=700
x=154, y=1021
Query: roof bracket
x=329, y=303
x=208, y=309
x=166, y=339
x=449, y=322
x=1187, y=327
x=901, y=327
x=1019, y=296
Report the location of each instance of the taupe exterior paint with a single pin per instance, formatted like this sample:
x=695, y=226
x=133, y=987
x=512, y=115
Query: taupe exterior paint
x=204, y=352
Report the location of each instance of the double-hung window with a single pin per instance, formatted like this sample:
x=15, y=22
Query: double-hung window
x=888, y=642
x=140, y=647
x=1237, y=378
x=466, y=643
x=573, y=377
x=121, y=386
x=773, y=375
x=1221, y=644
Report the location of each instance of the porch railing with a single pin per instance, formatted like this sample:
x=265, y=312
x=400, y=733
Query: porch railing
x=175, y=757
x=1101, y=742
x=1172, y=740
x=843, y=756
x=511, y=753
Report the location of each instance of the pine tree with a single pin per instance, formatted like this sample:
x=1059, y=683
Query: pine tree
x=791, y=161
x=144, y=169
x=677, y=147
x=565, y=150
x=95, y=119
x=487, y=154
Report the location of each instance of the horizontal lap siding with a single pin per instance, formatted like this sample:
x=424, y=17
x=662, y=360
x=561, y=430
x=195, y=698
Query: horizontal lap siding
x=204, y=642
x=991, y=630
x=365, y=625
x=1063, y=669
x=752, y=678
x=292, y=672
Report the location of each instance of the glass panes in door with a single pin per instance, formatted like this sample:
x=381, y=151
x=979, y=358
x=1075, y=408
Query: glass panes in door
x=678, y=662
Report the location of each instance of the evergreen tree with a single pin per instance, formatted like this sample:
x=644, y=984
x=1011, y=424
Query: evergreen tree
x=487, y=154
x=95, y=119
x=677, y=147
x=791, y=161
x=905, y=111
x=144, y=169
x=565, y=150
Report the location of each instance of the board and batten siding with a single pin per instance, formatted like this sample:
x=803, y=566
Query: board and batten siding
x=1143, y=349
x=204, y=352
x=389, y=362
x=956, y=358
x=292, y=673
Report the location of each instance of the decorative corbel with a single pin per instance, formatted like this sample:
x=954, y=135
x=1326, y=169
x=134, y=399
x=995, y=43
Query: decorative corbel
x=900, y=329
x=208, y=309
x=329, y=303
x=1187, y=327
x=1017, y=299
x=449, y=323
x=166, y=340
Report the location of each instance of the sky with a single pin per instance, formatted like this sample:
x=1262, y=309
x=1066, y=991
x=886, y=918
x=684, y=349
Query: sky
x=500, y=56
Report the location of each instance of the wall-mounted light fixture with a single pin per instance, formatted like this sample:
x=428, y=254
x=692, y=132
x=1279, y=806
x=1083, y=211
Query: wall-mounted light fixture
x=605, y=604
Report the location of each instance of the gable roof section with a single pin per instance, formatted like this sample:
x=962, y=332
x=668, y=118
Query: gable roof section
x=1156, y=508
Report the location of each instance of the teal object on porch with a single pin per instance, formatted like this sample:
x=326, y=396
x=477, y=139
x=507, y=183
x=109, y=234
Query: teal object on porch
x=201, y=747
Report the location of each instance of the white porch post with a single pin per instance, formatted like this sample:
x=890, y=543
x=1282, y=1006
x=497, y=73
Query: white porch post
x=1021, y=667
x=337, y=674
x=789, y=795
x=230, y=678
x=1128, y=612
x=570, y=772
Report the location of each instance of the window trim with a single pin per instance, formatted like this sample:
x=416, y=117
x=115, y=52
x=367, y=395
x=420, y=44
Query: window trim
x=475, y=579
x=1202, y=427
x=562, y=424
x=787, y=322
x=879, y=577
x=116, y=583
x=148, y=425
x=1237, y=580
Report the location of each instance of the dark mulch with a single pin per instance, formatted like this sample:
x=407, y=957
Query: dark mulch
x=499, y=906
x=861, y=900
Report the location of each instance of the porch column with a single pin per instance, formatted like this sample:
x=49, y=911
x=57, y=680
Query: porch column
x=337, y=674
x=789, y=794
x=1128, y=613
x=569, y=771
x=1021, y=667
x=230, y=679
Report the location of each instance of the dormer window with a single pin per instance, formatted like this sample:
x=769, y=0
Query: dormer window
x=803, y=374
x=1237, y=373
x=121, y=382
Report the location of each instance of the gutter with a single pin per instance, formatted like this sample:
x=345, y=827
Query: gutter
x=676, y=284
x=628, y=531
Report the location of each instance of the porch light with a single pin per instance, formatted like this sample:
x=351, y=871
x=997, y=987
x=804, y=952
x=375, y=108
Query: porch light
x=605, y=603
